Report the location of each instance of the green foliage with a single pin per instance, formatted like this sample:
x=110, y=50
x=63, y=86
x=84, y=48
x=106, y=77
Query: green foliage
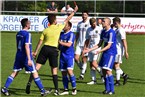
x=134, y=66
x=101, y=6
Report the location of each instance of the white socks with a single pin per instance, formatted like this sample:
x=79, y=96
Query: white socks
x=84, y=67
x=119, y=72
x=93, y=75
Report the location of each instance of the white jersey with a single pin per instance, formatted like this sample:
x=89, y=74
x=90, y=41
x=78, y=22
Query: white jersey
x=68, y=10
x=120, y=35
x=81, y=29
x=94, y=36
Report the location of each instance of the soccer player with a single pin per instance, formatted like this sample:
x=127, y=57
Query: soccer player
x=80, y=40
x=49, y=38
x=108, y=57
x=93, y=38
x=121, y=50
x=66, y=66
x=24, y=59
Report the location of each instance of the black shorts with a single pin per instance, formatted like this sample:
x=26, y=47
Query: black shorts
x=50, y=53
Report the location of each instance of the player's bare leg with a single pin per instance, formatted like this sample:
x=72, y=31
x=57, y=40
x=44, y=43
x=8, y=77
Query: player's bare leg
x=77, y=60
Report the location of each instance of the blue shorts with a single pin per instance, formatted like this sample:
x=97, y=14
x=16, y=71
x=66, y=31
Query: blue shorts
x=66, y=63
x=22, y=62
x=107, y=61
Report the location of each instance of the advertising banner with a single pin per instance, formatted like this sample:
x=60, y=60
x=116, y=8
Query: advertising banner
x=38, y=23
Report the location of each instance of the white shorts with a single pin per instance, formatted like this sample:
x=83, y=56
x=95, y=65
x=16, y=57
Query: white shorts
x=118, y=58
x=79, y=50
x=92, y=56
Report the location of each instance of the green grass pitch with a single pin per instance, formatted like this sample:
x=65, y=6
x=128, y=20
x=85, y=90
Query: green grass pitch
x=134, y=67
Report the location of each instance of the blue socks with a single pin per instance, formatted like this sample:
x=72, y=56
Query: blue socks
x=65, y=82
x=73, y=81
x=107, y=86
x=39, y=84
x=109, y=83
x=9, y=81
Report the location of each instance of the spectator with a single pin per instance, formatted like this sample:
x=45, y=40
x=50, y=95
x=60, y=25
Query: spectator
x=68, y=9
x=99, y=22
x=52, y=7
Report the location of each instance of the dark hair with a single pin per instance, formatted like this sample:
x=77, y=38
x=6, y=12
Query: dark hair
x=51, y=18
x=85, y=11
x=70, y=24
x=117, y=19
x=112, y=25
x=92, y=20
x=24, y=22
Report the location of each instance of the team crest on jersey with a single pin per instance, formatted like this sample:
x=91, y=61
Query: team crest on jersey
x=85, y=25
x=96, y=31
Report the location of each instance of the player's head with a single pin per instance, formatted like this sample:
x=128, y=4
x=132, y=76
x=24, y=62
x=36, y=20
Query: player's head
x=85, y=15
x=67, y=26
x=99, y=21
x=52, y=18
x=106, y=22
x=25, y=23
x=116, y=21
x=67, y=6
x=52, y=3
x=93, y=22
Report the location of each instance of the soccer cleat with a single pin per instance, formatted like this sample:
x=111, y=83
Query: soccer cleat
x=80, y=78
x=28, y=88
x=74, y=92
x=5, y=91
x=65, y=92
x=56, y=93
x=105, y=92
x=111, y=93
x=117, y=84
x=91, y=83
x=125, y=79
x=46, y=92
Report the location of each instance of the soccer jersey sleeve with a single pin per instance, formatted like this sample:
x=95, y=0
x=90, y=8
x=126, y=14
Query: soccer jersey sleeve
x=87, y=34
x=78, y=27
x=28, y=38
x=123, y=34
x=42, y=36
x=111, y=37
x=72, y=38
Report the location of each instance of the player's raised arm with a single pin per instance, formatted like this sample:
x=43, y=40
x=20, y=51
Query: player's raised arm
x=72, y=14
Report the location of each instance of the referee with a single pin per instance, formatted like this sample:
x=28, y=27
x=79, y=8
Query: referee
x=49, y=38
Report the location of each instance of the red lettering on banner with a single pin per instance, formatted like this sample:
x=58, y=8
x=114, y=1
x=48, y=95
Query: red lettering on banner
x=133, y=27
